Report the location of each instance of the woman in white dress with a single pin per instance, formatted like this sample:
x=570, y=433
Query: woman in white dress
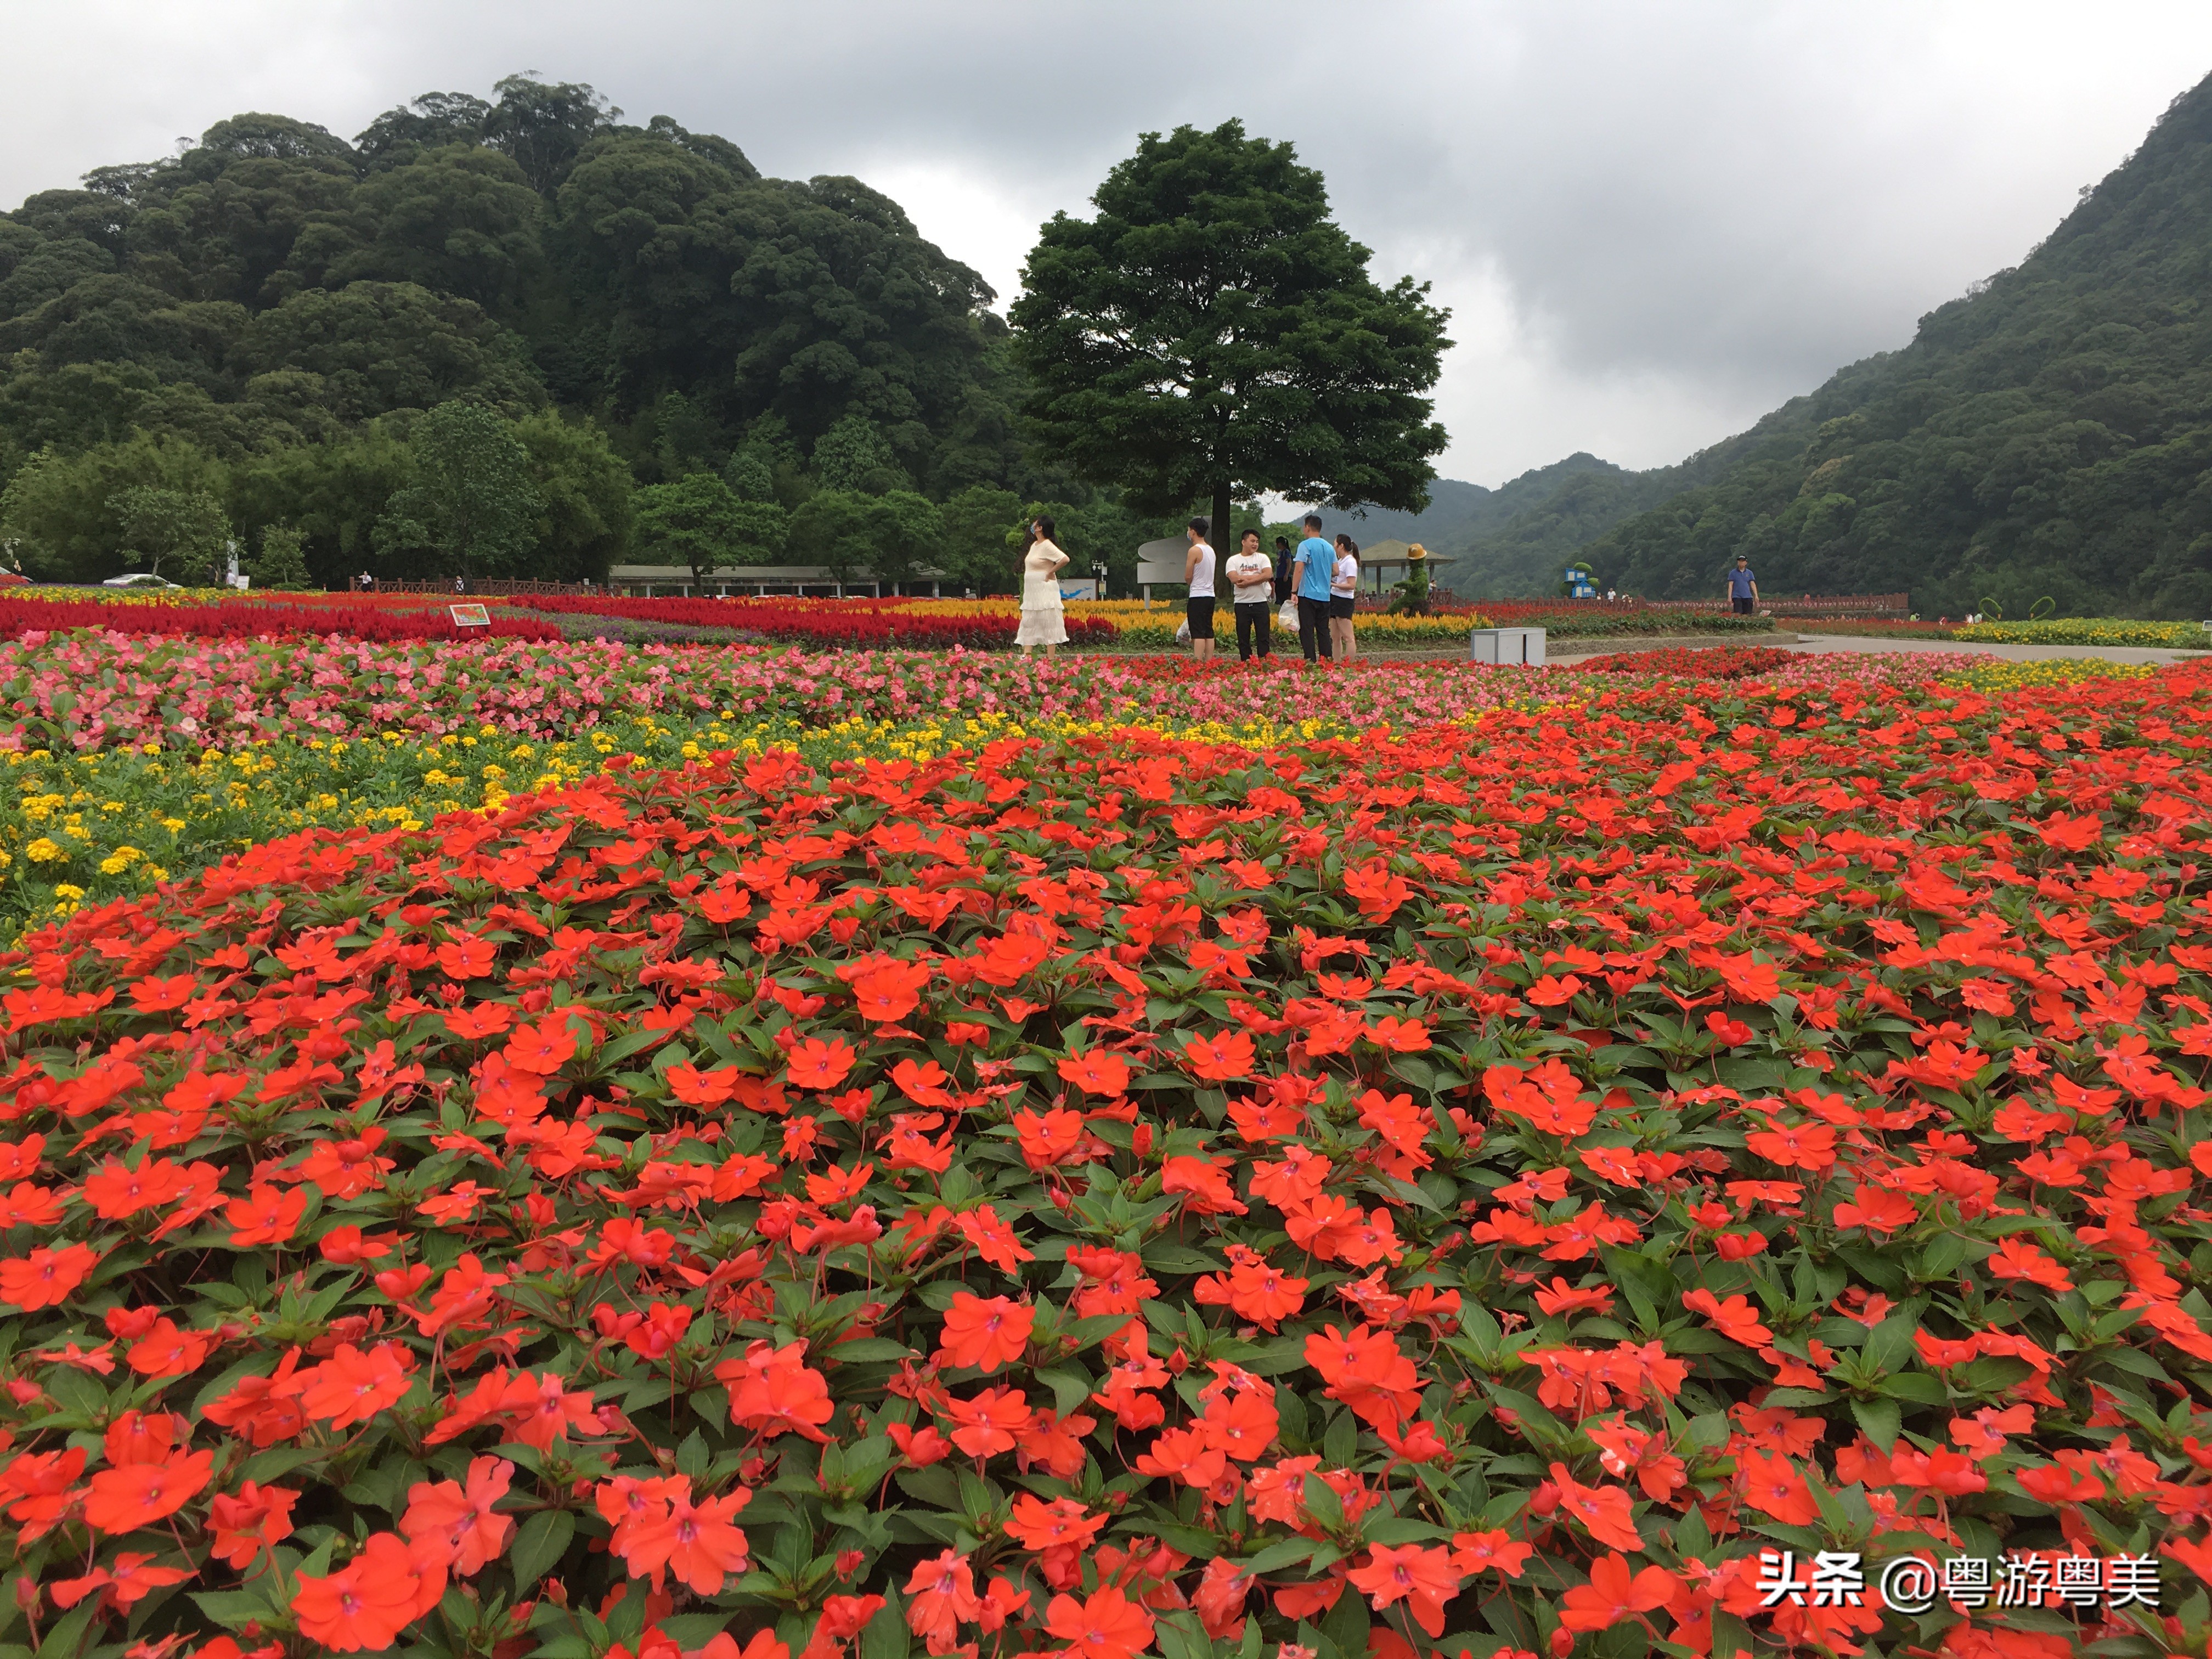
x=1043, y=621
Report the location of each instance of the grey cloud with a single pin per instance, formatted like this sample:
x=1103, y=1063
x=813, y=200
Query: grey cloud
x=1656, y=221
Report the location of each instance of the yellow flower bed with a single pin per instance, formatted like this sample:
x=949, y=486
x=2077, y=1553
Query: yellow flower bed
x=1996, y=675
x=2090, y=630
x=106, y=823
x=1152, y=626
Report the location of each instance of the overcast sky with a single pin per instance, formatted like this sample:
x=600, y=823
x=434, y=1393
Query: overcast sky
x=1652, y=222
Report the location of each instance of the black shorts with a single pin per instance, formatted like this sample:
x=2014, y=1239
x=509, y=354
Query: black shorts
x=1199, y=614
x=1339, y=609
x=1742, y=605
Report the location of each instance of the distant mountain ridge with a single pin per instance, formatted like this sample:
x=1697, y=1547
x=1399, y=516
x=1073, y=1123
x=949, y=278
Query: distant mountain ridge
x=1516, y=533
x=2049, y=433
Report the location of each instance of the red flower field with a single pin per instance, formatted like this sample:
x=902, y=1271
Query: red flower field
x=1471, y=1188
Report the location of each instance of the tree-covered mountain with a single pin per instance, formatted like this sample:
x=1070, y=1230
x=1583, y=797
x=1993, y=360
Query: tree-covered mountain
x=263, y=319
x=2049, y=433
x=1514, y=541
x=1458, y=510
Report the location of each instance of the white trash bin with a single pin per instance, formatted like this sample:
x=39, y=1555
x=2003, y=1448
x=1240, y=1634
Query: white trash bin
x=1520, y=645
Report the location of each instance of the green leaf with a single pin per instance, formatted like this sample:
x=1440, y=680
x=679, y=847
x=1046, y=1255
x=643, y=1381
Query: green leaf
x=540, y=1542
x=866, y=1351
x=1287, y=1553
x=1324, y=1504
x=1191, y=1540
x=1167, y=1256
x=1069, y=1389
x=1879, y=1419
x=1340, y=1443
x=232, y=1609
x=1891, y=1343
x=886, y=1636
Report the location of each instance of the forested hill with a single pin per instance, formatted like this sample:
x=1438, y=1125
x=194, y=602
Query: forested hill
x=2049, y=433
x=261, y=317
x=1458, y=511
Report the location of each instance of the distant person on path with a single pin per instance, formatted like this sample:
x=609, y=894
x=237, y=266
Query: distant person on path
x=1343, y=590
x=1251, y=591
x=1742, y=587
x=1282, y=589
x=1044, y=621
x=1198, y=579
x=1315, y=564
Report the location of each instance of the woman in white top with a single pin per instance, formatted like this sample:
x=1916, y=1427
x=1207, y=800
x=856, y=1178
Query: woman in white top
x=1343, y=586
x=1043, y=621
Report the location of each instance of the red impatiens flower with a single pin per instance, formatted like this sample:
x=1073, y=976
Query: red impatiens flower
x=1547, y=1098
x=46, y=1278
x=696, y=1540
x=986, y=1425
x=1097, y=1073
x=1061, y=1524
x=1613, y=1596
x=940, y=1596
x=1421, y=1576
x=774, y=1390
x=459, y=1520
x=1733, y=1318
x=131, y=1581
x=1263, y=1292
x=1219, y=1060
x=364, y=1605
x=265, y=1215
x=1107, y=1624
x=139, y=1494
x=986, y=1334
x=1603, y=1511
x=351, y=1387
x=2017, y=1259
x=1770, y=1483
x=1877, y=1209
x=1479, y=1552
x=1797, y=1146
x=249, y=1521
x=816, y=1064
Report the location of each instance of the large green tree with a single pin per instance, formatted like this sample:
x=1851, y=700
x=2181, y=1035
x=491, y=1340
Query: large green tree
x=381, y=346
x=63, y=512
x=894, y=536
x=186, y=529
x=585, y=492
x=1212, y=333
x=472, y=501
x=698, y=521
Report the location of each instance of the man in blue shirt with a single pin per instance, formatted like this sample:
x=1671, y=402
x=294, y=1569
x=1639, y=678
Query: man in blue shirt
x=1742, y=587
x=1312, y=565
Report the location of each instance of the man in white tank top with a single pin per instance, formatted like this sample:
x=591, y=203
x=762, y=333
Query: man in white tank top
x=1198, y=576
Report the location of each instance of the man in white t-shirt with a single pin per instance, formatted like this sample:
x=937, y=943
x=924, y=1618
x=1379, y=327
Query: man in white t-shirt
x=1252, y=590
x=1198, y=577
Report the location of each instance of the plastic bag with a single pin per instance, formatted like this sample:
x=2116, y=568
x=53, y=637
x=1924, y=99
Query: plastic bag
x=1183, y=632
x=1287, y=617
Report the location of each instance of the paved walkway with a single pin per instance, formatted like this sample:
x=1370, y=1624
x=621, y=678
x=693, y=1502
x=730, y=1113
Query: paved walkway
x=1829, y=642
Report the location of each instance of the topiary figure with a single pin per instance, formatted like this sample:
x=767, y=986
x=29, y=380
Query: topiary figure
x=1410, y=597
